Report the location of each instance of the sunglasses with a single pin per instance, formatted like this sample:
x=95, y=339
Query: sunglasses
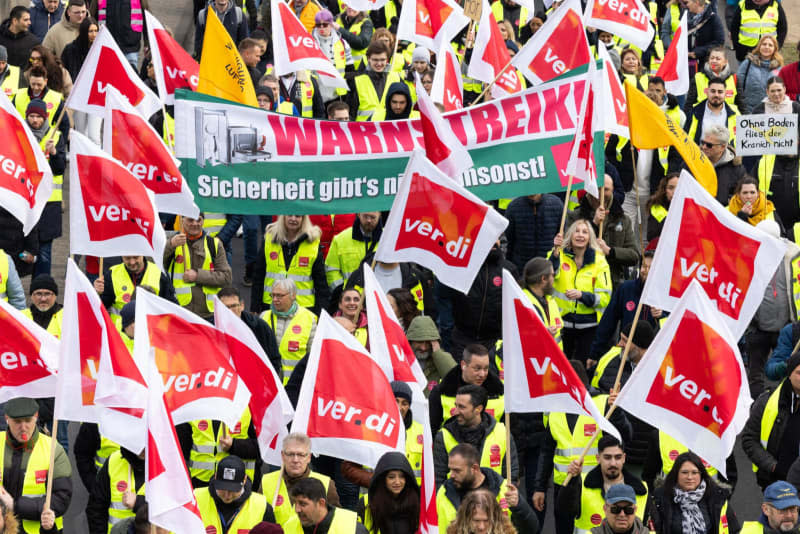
x=323, y=24
x=706, y=144
x=619, y=509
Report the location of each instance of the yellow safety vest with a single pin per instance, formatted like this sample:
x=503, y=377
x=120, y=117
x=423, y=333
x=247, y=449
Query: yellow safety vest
x=299, y=270
x=34, y=483
x=358, y=55
x=294, y=343
x=769, y=416
x=180, y=264
x=497, y=11
x=11, y=83
x=675, y=17
x=570, y=445
x=670, y=448
x=593, y=278
x=796, y=279
x=753, y=27
x=285, y=108
x=612, y=353
x=368, y=101
x=494, y=407
x=552, y=311
x=752, y=527
x=124, y=287
x=658, y=212
x=344, y=257
x=492, y=451
x=205, y=454
x=107, y=448
x=731, y=124
x=213, y=223
x=414, y=446
x=701, y=83
x=766, y=166
x=306, y=99
x=168, y=130
x=51, y=99
x=249, y=515
x=637, y=81
x=283, y=507
x=592, y=515
x=447, y=511
x=54, y=326
x=3, y=275
x=58, y=179
x=120, y=478
x=340, y=62
x=344, y=522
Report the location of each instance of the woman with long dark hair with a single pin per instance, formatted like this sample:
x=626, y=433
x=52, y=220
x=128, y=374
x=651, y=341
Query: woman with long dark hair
x=58, y=78
x=658, y=205
x=73, y=57
x=392, y=504
x=690, y=502
x=403, y=305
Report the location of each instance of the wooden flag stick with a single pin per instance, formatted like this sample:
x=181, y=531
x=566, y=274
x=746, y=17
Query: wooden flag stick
x=480, y=96
x=53, y=443
x=508, y=456
x=277, y=487
x=566, y=205
x=796, y=347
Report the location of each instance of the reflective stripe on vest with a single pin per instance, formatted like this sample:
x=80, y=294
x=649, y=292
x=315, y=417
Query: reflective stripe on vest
x=299, y=270
x=368, y=101
x=492, y=451
x=769, y=416
x=180, y=264
x=294, y=343
x=592, y=514
x=205, y=455
x=246, y=517
x=213, y=223
x=753, y=26
x=120, y=478
x=570, y=444
x=283, y=508
x=124, y=287
x=495, y=407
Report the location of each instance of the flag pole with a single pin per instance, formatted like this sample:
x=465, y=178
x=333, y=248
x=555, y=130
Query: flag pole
x=52, y=464
x=480, y=96
x=508, y=440
x=277, y=487
x=566, y=205
x=638, y=205
x=796, y=347
x=602, y=205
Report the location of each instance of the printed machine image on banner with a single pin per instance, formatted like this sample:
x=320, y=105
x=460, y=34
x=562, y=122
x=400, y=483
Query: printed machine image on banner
x=238, y=159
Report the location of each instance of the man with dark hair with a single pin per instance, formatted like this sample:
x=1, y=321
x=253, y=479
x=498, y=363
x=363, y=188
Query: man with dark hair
x=37, y=90
x=14, y=35
x=314, y=514
x=713, y=110
x=338, y=110
x=368, y=90
x=472, y=425
x=231, y=298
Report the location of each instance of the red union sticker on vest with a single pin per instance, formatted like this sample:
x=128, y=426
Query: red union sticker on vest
x=596, y=519
x=122, y=486
x=293, y=345
x=302, y=261
x=41, y=476
x=589, y=429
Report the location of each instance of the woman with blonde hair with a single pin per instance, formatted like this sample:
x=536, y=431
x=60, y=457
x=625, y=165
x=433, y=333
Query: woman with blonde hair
x=631, y=68
x=581, y=286
x=480, y=513
x=291, y=250
x=761, y=64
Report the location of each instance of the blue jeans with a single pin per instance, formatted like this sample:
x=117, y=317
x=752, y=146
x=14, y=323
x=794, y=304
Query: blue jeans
x=43, y=259
x=133, y=59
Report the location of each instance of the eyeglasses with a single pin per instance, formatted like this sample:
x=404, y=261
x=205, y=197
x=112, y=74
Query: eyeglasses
x=614, y=509
x=323, y=24
x=43, y=294
x=706, y=144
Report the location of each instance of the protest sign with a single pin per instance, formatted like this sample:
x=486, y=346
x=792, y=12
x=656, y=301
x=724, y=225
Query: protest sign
x=766, y=134
x=242, y=160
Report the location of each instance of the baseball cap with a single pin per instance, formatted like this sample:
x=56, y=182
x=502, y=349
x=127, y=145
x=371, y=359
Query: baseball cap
x=620, y=493
x=781, y=495
x=230, y=474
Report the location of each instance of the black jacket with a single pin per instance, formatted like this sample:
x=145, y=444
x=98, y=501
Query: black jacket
x=232, y=19
x=50, y=223
x=394, y=89
x=569, y=498
x=666, y=514
x=736, y=22
x=87, y=443
x=706, y=34
x=448, y=387
x=13, y=241
x=766, y=459
x=165, y=287
x=619, y=312
x=18, y=45
x=42, y=20
x=532, y=227
x=398, y=523
x=100, y=497
x=118, y=22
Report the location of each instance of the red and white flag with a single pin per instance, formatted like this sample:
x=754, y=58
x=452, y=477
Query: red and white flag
x=106, y=65
x=295, y=49
x=558, y=46
x=168, y=489
x=29, y=356
x=692, y=383
x=536, y=370
x=448, y=85
x=733, y=261
x=26, y=180
x=490, y=57
x=439, y=224
x=198, y=384
x=364, y=5
x=581, y=164
x=270, y=407
x=95, y=362
x=442, y=147
x=131, y=139
x=111, y=211
x=430, y=23
x=627, y=20
x=173, y=66
x=346, y=404
x=674, y=70
x=613, y=107
x=428, y=515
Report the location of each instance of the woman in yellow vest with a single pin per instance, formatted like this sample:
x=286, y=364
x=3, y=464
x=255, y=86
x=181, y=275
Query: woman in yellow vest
x=356, y=28
x=750, y=204
x=335, y=49
x=582, y=286
x=691, y=502
x=291, y=250
x=658, y=205
x=351, y=307
x=631, y=69
x=717, y=66
x=392, y=503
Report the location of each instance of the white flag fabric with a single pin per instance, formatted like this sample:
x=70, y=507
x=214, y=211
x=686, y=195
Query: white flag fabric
x=536, y=371
x=448, y=84
x=173, y=66
x=270, y=407
x=613, y=109
x=702, y=240
x=168, y=489
x=430, y=23
x=439, y=224
x=346, y=404
x=692, y=383
x=491, y=61
x=106, y=65
x=581, y=163
x=674, y=69
x=428, y=514
x=29, y=356
x=627, y=20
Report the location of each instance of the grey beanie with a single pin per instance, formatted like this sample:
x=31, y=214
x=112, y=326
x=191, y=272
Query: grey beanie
x=402, y=390
x=3, y=53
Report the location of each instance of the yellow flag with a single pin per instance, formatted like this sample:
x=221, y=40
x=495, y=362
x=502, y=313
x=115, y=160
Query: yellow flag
x=222, y=70
x=651, y=128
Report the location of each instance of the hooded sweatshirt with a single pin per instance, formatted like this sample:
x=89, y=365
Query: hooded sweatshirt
x=398, y=521
x=395, y=88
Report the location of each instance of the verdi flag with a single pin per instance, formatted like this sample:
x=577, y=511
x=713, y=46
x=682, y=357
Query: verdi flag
x=173, y=66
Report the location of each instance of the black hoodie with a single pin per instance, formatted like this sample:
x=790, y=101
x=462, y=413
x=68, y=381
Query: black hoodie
x=18, y=44
x=398, y=523
x=398, y=88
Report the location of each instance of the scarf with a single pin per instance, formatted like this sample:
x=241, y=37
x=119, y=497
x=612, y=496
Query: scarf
x=288, y=313
x=692, y=521
x=761, y=209
x=40, y=132
x=784, y=107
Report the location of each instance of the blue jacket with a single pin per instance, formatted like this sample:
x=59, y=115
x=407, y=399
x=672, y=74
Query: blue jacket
x=620, y=312
x=531, y=228
x=751, y=82
x=42, y=20
x=776, y=365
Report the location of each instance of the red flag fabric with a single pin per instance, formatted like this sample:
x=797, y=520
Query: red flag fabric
x=346, y=405
x=692, y=383
x=173, y=66
x=428, y=515
x=490, y=56
x=28, y=356
x=106, y=65
x=448, y=85
x=198, y=384
x=26, y=181
x=430, y=23
x=628, y=20
x=558, y=46
x=90, y=345
x=168, y=489
x=131, y=139
x=270, y=407
x=437, y=223
x=674, y=70
x=111, y=212
x=733, y=261
x=536, y=371
x=614, y=106
x=581, y=163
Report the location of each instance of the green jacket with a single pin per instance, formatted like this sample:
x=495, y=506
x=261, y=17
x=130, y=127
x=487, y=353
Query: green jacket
x=435, y=367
